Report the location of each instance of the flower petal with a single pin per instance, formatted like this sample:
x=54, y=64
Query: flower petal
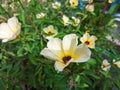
x=55, y=46
x=69, y=43
x=48, y=54
x=60, y=66
x=5, y=31
x=14, y=24
x=93, y=38
x=85, y=37
x=81, y=54
x=91, y=45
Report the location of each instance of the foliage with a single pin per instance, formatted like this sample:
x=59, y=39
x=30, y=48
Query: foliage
x=23, y=68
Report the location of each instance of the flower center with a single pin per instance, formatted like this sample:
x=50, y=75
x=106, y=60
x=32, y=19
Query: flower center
x=50, y=32
x=73, y=3
x=66, y=59
x=87, y=42
x=104, y=65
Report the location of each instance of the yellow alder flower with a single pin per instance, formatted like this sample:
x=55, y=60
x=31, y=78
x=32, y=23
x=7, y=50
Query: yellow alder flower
x=74, y=3
x=117, y=63
x=110, y=1
x=88, y=1
x=50, y=31
x=56, y=5
x=10, y=30
x=89, y=7
x=66, y=51
x=40, y=15
x=65, y=20
x=105, y=65
x=76, y=21
x=88, y=40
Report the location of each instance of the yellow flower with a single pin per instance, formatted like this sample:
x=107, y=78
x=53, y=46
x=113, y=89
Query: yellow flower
x=66, y=51
x=88, y=1
x=56, y=5
x=88, y=40
x=50, y=31
x=76, y=21
x=74, y=3
x=117, y=63
x=65, y=20
x=9, y=30
x=40, y=15
x=116, y=41
x=105, y=65
x=110, y=1
x=90, y=7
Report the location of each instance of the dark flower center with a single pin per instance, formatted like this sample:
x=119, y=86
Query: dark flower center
x=66, y=59
x=87, y=42
x=73, y=3
x=49, y=32
x=104, y=65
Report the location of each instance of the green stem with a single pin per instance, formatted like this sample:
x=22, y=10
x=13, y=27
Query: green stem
x=3, y=10
x=21, y=4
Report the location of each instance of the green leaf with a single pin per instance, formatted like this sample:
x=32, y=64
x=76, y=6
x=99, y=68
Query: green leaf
x=0, y=56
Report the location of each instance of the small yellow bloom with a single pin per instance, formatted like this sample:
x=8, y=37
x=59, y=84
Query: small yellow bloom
x=65, y=20
x=88, y=40
x=74, y=3
x=10, y=30
x=56, y=5
x=116, y=41
x=90, y=7
x=105, y=65
x=50, y=31
x=117, y=63
x=88, y=1
x=76, y=21
x=110, y=1
x=66, y=51
x=40, y=15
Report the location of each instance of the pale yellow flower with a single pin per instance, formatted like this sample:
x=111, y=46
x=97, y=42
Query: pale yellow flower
x=105, y=65
x=88, y=1
x=56, y=5
x=88, y=40
x=76, y=21
x=116, y=41
x=25, y=1
x=40, y=15
x=50, y=31
x=89, y=7
x=9, y=30
x=117, y=63
x=74, y=3
x=66, y=51
x=110, y=1
x=65, y=20
x=109, y=37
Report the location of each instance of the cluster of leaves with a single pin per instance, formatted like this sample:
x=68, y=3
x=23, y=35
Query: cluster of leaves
x=23, y=68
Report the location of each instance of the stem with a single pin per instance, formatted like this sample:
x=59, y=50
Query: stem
x=3, y=9
x=21, y=4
